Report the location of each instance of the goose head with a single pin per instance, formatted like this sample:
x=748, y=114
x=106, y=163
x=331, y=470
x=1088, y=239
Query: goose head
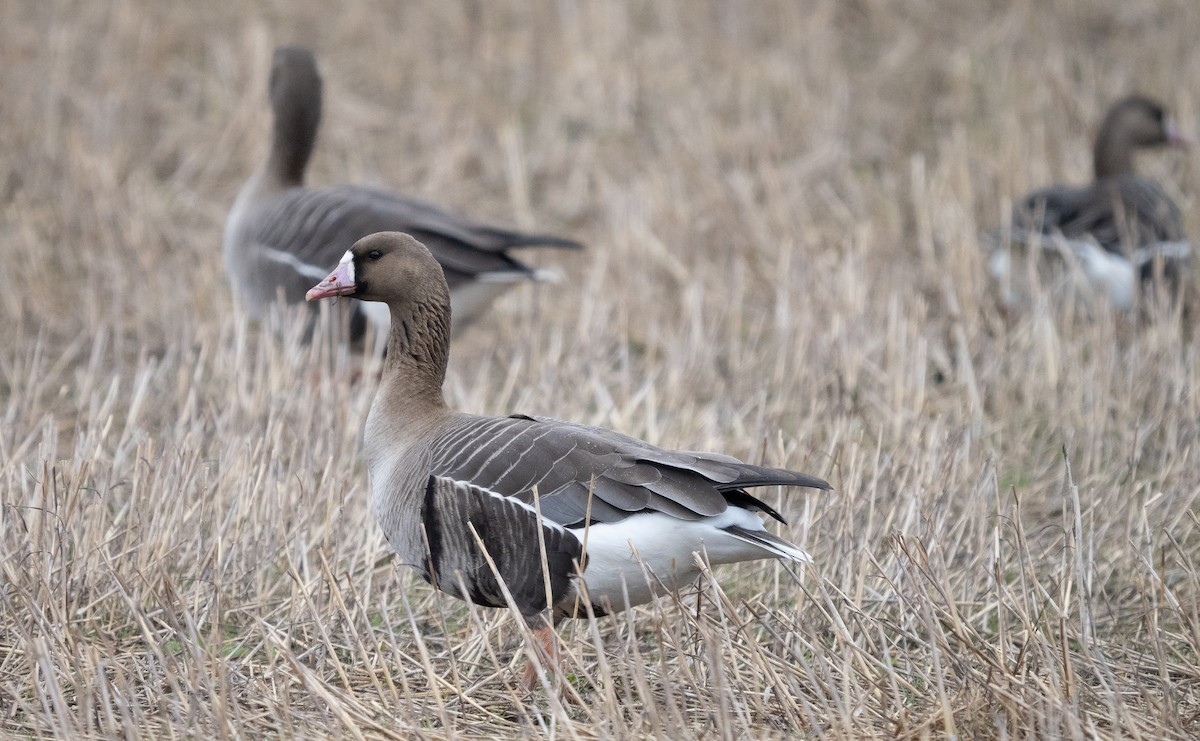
x=1132, y=123
x=396, y=269
x=391, y=267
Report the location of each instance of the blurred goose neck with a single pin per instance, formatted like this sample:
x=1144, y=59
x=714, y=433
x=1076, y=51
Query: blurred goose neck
x=1113, y=155
x=1129, y=124
x=297, y=118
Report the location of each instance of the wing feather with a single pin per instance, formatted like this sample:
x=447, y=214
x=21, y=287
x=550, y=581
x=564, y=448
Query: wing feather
x=580, y=470
x=458, y=516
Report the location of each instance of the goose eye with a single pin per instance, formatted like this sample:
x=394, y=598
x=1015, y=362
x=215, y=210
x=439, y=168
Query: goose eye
x=374, y=255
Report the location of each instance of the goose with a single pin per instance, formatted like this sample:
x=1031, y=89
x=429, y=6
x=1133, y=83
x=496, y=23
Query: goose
x=451, y=490
x=280, y=235
x=1119, y=230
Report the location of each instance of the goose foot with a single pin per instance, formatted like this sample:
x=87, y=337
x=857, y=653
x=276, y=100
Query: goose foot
x=546, y=648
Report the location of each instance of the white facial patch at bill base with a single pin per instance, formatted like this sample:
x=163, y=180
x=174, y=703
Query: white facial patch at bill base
x=348, y=261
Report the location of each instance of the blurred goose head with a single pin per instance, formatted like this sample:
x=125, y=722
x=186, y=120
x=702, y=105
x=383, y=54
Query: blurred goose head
x=1132, y=123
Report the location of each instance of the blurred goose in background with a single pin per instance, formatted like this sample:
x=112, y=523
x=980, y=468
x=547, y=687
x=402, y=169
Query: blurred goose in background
x=1118, y=232
x=628, y=515
x=281, y=236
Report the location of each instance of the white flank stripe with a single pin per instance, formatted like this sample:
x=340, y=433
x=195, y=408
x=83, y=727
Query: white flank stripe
x=301, y=267
x=285, y=258
x=546, y=276
x=513, y=276
x=1165, y=250
x=512, y=500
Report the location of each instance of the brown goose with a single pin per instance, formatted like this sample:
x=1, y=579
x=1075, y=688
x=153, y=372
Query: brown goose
x=441, y=479
x=281, y=235
x=1121, y=225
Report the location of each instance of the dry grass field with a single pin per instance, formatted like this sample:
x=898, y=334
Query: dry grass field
x=782, y=203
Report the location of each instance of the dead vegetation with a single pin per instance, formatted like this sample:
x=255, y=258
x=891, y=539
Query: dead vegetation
x=782, y=204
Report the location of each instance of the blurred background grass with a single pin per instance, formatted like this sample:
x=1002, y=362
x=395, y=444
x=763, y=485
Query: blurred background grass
x=781, y=203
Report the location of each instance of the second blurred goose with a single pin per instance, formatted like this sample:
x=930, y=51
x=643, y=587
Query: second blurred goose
x=281, y=236
x=1120, y=229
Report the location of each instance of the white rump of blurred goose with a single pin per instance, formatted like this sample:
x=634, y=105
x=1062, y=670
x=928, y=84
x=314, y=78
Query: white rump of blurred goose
x=282, y=236
x=1119, y=233
x=629, y=515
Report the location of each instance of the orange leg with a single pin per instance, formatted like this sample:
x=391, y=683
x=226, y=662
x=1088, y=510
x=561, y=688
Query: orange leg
x=546, y=647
